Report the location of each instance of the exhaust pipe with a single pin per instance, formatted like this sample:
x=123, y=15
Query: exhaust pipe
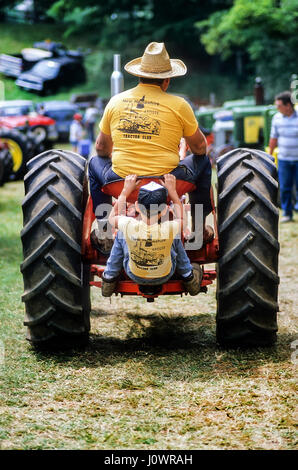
x=117, y=82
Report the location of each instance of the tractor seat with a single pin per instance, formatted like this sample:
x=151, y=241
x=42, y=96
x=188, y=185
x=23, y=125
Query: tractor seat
x=115, y=187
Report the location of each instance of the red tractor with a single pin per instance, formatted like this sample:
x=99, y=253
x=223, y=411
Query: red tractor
x=60, y=263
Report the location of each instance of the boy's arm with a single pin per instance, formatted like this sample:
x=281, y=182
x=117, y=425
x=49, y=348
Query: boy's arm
x=170, y=184
x=119, y=209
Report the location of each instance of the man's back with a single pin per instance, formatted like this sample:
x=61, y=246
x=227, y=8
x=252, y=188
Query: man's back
x=146, y=125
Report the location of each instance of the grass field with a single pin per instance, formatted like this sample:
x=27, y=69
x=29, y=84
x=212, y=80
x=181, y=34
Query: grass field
x=152, y=377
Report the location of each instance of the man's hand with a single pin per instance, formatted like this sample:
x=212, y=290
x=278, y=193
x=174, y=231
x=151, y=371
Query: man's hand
x=169, y=183
x=130, y=184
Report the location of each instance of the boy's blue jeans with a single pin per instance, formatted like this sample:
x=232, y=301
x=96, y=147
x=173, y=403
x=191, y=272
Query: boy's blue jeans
x=287, y=174
x=119, y=259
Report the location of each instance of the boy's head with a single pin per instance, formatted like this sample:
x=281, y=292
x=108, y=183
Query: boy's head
x=152, y=200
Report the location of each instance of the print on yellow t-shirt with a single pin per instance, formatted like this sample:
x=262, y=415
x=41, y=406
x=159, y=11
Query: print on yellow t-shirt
x=149, y=246
x=146, y=125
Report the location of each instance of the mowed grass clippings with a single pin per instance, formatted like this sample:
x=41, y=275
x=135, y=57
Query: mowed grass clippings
x=152, y=376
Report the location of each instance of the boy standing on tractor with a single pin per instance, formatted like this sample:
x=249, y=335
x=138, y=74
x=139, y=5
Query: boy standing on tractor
x=149, y=249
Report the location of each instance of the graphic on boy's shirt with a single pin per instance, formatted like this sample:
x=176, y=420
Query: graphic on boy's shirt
x=148, y=252
x=134, y=121
x=142, y=258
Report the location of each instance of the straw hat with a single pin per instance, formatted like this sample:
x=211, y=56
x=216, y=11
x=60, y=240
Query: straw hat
x=155, y=63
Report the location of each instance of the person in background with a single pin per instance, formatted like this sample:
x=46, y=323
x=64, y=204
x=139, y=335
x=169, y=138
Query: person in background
x=76, y=131
x=41, y=110
x=90, y=118
x=284, y=134
x=84, y=147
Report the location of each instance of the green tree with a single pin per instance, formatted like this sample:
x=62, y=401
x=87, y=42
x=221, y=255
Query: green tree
x=266, y=30
x=133, y=23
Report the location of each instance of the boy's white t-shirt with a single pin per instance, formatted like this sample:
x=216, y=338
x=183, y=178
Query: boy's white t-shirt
x=75, y=131
x=149, y=246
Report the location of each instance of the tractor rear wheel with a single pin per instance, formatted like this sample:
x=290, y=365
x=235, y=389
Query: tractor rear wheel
x=56, y=283
x=18, y=149
x=5, y=166
x=247, y=283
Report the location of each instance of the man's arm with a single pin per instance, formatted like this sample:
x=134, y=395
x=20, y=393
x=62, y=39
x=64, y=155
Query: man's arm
x=104, y=145
x=197, y=143
x=272, y=145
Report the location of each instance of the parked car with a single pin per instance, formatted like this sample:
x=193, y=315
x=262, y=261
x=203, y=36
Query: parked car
x=62, y=112
x=47, y=76
x=13, y=65
x=16, y=107
x=59, y=50
x=19, y=114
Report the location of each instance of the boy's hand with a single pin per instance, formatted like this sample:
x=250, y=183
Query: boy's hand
x=169, y=183
x=130, y=184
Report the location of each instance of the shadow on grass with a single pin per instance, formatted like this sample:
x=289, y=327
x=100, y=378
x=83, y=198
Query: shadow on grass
x=179, y=347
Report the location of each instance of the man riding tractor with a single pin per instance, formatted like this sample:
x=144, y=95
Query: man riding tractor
x=153, y=150
x=139, y=139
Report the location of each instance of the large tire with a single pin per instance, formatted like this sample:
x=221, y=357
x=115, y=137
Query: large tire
x=247, y=282
x=18, y=149
x=56, y=284
x=5, y=166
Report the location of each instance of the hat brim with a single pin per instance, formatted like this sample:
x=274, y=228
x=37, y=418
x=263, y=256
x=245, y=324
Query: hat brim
x=134, y=68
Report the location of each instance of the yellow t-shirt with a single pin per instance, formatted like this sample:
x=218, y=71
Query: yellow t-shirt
x=146, y=125
x=149, y=246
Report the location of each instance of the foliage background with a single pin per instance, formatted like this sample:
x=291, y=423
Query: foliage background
x=225, y=43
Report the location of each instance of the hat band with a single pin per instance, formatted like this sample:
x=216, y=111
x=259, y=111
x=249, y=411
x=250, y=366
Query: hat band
x=156, y=69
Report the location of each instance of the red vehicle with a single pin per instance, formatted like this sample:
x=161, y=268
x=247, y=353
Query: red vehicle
x=19, y=114
x=42, y=126
x=25, y=132
x=60, y=263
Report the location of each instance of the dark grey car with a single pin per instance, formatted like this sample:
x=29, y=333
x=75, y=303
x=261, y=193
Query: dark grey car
x=47, y=76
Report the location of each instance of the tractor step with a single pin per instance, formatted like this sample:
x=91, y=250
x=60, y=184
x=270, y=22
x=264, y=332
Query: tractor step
x=173, y=287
